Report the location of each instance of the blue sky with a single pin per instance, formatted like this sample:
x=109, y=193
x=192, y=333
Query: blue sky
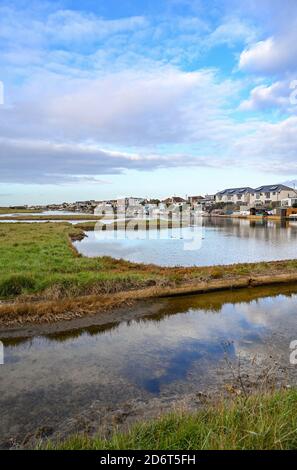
x=147, y=98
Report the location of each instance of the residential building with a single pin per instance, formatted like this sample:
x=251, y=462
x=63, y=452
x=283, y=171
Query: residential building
x=195, y=200
x=289, y=202
x=174, y=200
x=209, y=199
x=239, y=196
x=125, y=202
x=271, y=195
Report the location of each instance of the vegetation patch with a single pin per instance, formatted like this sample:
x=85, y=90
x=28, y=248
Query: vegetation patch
x=38, y=262
x=16, y=284
x=259, y=422
x=12, y=210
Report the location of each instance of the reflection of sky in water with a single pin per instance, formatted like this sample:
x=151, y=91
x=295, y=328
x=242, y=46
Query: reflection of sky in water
x=178, y=365
x=139, y=350
x=217, y=241
x=173, y=352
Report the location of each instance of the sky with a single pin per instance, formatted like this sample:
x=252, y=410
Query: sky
x=111, y=98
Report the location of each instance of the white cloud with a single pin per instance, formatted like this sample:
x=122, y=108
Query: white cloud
x=80, y=85
x=265, y=97
x=44, y=161
x=231, y=31
x=157, y=106
x=61, y=25
x=271, y=147
x=273, y=55
x=276, y=52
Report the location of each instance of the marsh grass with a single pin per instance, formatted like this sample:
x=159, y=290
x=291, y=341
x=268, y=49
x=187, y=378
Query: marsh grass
x=10, y=210
x=260, y=422
x=40, y=259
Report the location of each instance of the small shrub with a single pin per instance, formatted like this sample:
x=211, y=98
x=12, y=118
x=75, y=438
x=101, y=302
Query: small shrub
x=216, y=273
x=15, y=284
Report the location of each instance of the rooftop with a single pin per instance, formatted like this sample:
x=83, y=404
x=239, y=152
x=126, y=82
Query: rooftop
x=273, y=188
x=232, y=191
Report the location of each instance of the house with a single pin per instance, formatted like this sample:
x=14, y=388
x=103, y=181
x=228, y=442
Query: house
x=176, y=200
x=135, y=201
x=132, y=202
x=234, y=196
x=209, y=199
x=289, y=202
x=271, y=195
x=195, y=200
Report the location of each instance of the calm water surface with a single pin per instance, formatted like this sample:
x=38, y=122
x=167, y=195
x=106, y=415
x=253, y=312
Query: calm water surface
x=215, y=241
x=178, y=349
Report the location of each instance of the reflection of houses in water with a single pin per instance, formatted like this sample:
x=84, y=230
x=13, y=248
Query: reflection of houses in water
x=266, y=230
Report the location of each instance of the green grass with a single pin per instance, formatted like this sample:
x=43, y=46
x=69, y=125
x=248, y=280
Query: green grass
x=11, y=210
x=261, y=422
x=38, y=257
x=61, y=217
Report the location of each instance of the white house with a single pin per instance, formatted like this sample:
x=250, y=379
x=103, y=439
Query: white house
x=289, y=202
x=272, y=194
x=235, y=196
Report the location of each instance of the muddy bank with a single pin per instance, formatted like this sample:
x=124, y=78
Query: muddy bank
x=21, y=313
x=104, y=319
x=98, y=420
x=138, y=309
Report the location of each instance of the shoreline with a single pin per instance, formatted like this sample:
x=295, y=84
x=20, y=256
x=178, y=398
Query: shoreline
x=195, y=424
x=47, y=281
x=21, y=314
x=101, y=418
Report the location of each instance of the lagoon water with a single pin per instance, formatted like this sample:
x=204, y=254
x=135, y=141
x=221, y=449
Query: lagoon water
x=213, y=241
x=170, y=349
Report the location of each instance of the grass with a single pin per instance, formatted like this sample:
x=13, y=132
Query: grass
x=260, y=422
x=38, y=262
x=62, y=217
x=35, y=258
x=11, y=210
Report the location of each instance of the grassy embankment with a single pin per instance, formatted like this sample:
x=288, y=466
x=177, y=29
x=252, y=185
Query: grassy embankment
x=10, y=210
x=61, y=217
x=260, y=422
x=42, y=276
